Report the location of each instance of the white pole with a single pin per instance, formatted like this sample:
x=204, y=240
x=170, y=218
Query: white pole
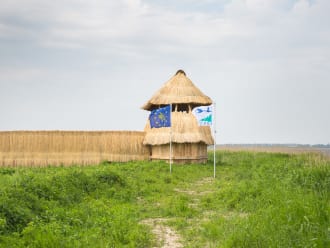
x=171, y=141
x=214, y=137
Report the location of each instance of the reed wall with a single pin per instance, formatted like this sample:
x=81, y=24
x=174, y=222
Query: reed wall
x=42, y=148
x=181, y=153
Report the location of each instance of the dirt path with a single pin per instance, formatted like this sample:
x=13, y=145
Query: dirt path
x=166, y=236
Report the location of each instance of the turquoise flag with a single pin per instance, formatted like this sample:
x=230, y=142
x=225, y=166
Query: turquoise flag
x=204, y=115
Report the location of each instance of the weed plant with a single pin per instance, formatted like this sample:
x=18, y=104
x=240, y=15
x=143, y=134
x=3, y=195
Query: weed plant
x=256, y=200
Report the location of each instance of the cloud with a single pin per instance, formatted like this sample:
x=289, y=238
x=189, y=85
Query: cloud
x=287, y=30
x=254, y=51
x=12, y=74
x=132, y=24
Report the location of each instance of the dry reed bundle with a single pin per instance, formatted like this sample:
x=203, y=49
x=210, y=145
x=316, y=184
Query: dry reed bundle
x=178, y=90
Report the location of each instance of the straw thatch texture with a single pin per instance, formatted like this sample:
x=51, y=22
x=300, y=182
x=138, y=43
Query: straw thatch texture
x=185, y=129
x=41, y=148
x=178, y=90
x=181, y=153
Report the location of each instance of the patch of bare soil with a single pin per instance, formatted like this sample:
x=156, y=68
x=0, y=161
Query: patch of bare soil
x=192, y=192
x=166, y=236
x=206, y=180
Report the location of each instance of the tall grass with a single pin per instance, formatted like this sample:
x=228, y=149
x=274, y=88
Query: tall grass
x=256, y=200
x=271, y=200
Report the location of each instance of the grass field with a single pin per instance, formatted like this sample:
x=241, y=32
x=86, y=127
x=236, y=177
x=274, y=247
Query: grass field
x=325, y=151
x=256, y=200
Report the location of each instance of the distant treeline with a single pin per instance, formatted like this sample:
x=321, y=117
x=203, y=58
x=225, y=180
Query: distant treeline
x=277, y=145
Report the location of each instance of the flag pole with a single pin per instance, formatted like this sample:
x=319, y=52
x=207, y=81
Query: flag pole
x=214, y=138
x=171, y=140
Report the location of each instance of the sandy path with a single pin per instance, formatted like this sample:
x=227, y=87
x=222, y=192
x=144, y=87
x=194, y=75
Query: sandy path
x=166, y=236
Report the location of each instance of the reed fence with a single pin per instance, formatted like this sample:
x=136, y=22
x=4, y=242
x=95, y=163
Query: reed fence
x=42, y=148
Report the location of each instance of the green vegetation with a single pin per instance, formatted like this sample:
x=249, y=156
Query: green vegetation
x=257, y=200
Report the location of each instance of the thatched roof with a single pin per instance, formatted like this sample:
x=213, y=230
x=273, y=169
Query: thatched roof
x=185, y=129
x=178, y=90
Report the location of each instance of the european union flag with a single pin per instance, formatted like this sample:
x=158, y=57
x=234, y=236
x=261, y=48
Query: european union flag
x=160, y=117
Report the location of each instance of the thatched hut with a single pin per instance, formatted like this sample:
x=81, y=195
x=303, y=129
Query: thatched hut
x=189, y=140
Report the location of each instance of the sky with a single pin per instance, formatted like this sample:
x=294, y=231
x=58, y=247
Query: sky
x=91, y=65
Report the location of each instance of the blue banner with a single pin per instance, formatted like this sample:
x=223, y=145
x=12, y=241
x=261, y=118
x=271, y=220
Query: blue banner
x=160, y=117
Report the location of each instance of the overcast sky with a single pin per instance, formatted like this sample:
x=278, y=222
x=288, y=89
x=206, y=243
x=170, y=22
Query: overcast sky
x=91, y=65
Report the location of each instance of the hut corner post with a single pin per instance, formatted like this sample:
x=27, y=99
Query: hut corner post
x=214, y=138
